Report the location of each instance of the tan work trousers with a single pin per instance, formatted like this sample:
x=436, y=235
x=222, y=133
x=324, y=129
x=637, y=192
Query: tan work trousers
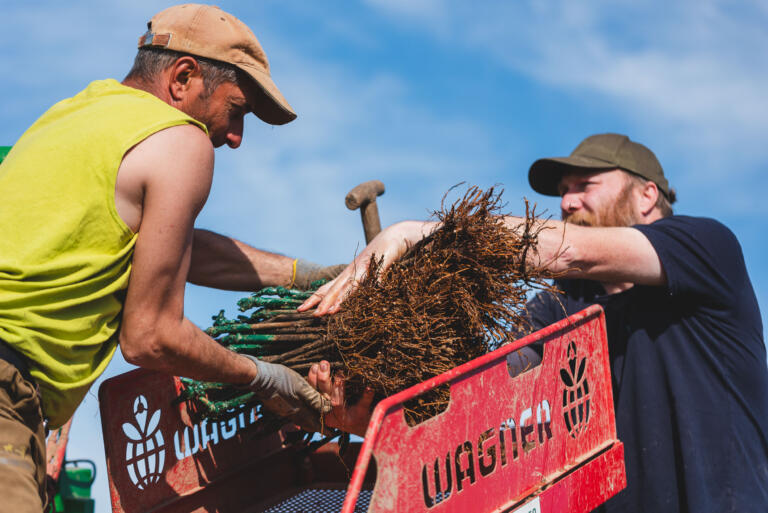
x=22, y=444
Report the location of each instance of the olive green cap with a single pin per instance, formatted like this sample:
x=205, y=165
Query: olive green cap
x=601, y=152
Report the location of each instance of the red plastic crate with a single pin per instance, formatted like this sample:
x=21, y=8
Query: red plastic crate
x=542, y=441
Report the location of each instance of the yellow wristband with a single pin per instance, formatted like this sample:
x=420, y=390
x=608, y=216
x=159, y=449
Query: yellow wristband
x=293, y=274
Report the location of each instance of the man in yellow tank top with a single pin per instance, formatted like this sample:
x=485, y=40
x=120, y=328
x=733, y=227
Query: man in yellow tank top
x=99, y=239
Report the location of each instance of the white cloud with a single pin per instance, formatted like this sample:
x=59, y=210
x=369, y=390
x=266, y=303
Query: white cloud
x=696, y=71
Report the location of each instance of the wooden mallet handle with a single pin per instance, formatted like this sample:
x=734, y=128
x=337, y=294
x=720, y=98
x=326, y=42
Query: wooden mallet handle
x=364, y=197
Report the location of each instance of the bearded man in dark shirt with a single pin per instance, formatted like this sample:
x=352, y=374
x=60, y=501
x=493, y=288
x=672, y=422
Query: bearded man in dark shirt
x=685, y=336
x=688, y=360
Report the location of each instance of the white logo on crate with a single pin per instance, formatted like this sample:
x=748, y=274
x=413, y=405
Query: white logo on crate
x=144, y=452
x=188, y=440
x=576, y=396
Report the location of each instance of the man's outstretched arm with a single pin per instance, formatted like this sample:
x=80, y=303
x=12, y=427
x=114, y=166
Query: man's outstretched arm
x=616, y=254
x=226, y=263
x=222, y=262
x=596, y=253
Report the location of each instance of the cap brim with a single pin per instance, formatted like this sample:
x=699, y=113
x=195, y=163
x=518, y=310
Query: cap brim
x=271, y=107
x=545, y=174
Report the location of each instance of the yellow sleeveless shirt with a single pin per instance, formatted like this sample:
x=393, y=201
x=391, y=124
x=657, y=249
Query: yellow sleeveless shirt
x=65, y=253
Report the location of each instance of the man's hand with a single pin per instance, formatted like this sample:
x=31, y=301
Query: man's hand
x=353, y=419
x=391, y=244
x=285, y=393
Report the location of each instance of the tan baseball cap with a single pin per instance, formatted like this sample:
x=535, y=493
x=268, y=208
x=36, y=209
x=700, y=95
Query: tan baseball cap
x=600, y=152
x=207, y=31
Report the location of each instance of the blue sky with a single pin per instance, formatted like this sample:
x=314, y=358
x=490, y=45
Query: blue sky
x=424, y=94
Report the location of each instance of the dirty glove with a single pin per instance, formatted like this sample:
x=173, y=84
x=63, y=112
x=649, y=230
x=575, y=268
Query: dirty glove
x=308, y=272
x=285, y=393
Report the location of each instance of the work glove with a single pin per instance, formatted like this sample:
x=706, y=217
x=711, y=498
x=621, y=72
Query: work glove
x=308, y=272
x=285, y=393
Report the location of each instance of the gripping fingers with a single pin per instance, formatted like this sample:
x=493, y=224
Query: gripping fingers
x=312, y=375
x=339, y=295
x=330, y=295
x=315, y=298
x=334, y=295
x=323, y=378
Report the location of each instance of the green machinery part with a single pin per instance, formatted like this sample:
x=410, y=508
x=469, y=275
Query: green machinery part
x=4, y=151
x=73, y=491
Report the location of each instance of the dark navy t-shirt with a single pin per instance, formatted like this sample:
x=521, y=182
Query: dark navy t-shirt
x=690, y=381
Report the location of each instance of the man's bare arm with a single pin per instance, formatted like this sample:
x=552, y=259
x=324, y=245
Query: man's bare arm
x=222, y=262
x=602, y=254
x=176, y=167
x=617, y=254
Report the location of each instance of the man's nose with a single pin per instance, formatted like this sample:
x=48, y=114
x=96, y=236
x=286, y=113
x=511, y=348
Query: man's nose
x=235, y=134
x=570, y=202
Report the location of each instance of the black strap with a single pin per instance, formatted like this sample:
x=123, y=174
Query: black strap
x=10, y=355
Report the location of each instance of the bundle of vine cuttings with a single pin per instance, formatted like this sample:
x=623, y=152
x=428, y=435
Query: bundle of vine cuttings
x=273, y=331
x=455, y=295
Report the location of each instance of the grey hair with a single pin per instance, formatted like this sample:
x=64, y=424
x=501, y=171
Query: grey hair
x=150, y=62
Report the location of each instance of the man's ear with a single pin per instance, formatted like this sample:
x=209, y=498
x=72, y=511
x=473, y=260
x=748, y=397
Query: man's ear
x=182, y=73
x=648, y=195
